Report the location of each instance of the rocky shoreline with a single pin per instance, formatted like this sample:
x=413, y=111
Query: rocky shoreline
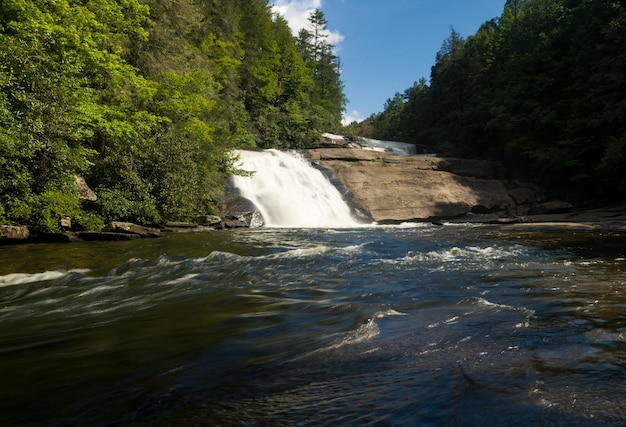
x=607, y=220
x=388, y=189
x=115, y=231
x=391, y=189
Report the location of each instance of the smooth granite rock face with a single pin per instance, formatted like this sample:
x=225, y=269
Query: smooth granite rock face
x=392, y=188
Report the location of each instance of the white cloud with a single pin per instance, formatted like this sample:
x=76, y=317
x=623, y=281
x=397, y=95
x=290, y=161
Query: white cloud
x=352, y=116
x=297, y=13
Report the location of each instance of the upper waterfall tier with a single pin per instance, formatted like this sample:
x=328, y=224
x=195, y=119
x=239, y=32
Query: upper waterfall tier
x=289, y=192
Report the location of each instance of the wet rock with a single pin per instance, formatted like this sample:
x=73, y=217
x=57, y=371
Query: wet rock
x=550, y=226
x=239, y=212
x=251, y=219
x=64, y=237
x=329, y=139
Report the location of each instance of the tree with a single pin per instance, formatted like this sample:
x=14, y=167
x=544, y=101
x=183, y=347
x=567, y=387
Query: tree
x=147, y=99
x=324, y=67
x=447, y=92
x=540, y=90
x=318, y=27
x=59, y=63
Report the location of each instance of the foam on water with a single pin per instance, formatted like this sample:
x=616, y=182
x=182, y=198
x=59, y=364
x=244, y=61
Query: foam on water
x=364, y=333
x=393, y=147
x=529, y=314
x=461, y=258
x=289, y=192
x=299, y=253
x=467, y=253
x=26, y=278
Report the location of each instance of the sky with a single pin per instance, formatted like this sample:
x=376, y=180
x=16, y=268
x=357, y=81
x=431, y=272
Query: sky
x=387, y=45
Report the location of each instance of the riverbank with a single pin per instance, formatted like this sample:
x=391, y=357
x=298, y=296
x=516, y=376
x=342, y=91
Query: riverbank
x=115, y=231
x=392, y=189
x=382, y=188
x=611, y=218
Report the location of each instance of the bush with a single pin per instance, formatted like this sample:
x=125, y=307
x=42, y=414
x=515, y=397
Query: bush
x=50, y=207
x=88, y=221
x=15, y=210
x=116, y=205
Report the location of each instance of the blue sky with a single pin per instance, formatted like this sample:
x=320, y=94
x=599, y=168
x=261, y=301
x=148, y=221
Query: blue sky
x=386, y=45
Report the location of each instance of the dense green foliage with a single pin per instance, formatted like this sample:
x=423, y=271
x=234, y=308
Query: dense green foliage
x=147, y=99
x=541, y=89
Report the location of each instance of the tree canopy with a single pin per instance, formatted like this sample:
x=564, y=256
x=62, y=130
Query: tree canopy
x=540, y=89
x=147, y=99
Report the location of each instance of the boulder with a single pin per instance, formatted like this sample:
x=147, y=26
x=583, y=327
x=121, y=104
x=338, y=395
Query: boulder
x=251, y=219
x=209, y=220
x=237, y=211
x=130, y=228
x=13, y=232
x=523, y=196
x=84, y=192
x=65, y=223
x=551, y=207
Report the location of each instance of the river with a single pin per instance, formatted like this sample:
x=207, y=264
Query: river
x=316, y=319
x=414, y=325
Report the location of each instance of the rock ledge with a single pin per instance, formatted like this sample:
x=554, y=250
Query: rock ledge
x=391, y=189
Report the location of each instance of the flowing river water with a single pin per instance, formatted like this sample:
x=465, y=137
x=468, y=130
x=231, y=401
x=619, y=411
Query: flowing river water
x=407, y=325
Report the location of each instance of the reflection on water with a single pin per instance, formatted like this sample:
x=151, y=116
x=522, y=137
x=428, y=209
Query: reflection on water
x=421, y=325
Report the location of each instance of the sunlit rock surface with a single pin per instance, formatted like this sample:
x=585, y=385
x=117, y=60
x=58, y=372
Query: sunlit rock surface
x=391, y=188
x=13, y=232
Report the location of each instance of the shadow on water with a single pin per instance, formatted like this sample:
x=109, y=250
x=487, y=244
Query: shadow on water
x=431, y=377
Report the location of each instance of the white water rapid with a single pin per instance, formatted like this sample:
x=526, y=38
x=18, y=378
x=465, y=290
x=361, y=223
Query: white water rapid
x=289, y=192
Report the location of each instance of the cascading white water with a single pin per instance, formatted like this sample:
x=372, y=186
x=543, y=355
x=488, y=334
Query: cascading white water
x=393, y=147
x=289, y=192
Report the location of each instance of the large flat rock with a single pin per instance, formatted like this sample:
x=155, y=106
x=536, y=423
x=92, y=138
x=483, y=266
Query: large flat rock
x=391, y=188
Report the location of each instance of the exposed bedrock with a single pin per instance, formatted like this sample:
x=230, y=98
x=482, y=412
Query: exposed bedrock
x=390, y=188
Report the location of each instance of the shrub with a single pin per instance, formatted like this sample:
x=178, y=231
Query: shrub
x=50, y=207
x=117, y=205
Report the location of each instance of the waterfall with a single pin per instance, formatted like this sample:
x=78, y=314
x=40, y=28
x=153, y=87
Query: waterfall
x=289, y=192
x=392, y=147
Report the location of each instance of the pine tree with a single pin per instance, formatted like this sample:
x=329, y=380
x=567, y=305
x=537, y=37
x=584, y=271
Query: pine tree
x=324, y=66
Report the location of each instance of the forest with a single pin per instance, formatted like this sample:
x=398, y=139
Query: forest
x=146, y=100
x=540, y=90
